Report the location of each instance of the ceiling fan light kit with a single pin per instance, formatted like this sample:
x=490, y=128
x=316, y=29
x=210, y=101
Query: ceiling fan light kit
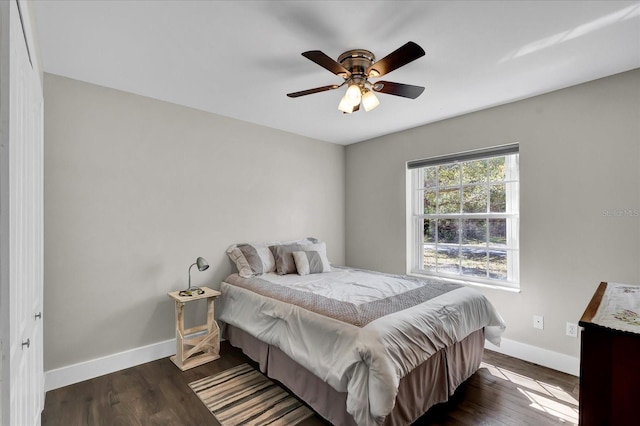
x=356, y=67
x=369, y=101
x=353, y=94
x=346, y=105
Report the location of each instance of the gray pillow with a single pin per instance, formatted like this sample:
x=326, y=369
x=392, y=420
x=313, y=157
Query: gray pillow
x=284, y=258
x=283, y=255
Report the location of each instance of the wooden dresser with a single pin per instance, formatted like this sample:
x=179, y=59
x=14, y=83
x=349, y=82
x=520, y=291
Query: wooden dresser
x=610, y=359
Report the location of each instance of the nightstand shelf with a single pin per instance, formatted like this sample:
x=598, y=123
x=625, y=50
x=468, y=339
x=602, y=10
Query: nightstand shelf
x=200, y=344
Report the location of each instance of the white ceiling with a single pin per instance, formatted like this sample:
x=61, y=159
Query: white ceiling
x=240, y=58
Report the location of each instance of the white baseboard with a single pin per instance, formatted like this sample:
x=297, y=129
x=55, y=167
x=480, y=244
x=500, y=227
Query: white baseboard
x=64, y=376
x=546, y=358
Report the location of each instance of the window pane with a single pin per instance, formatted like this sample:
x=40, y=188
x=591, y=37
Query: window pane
x=474, y=171
x=430, y=230
x=467, y=212
x=429, y=257
x=448, y=231
x=430, y=177
x=496, y=169
x=498, y=264
x=498, y=232
x=449, y=201
x=474, y=231
x=429, y=202
x=474, y=199
x=498, y=198
x=474, y=262
x=448, y=259
x=449, y=175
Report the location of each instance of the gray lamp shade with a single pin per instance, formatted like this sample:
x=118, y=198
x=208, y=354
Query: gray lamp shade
x=202, y=264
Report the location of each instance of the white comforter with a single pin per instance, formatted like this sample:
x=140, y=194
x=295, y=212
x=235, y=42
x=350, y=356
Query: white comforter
x=366, y=362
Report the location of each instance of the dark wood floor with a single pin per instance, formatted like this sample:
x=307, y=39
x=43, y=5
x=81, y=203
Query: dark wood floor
x=505, y=391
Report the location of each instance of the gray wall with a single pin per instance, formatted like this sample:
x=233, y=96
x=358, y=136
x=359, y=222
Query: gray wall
x=136, y=189
x=579, y=157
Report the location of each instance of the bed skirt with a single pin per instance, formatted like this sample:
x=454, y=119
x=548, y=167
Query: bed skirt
x=430, y=383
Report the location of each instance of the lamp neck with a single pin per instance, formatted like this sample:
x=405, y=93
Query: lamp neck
x=190, y=275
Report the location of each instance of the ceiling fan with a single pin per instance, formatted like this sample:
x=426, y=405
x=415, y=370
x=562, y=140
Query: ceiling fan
x=356, y=67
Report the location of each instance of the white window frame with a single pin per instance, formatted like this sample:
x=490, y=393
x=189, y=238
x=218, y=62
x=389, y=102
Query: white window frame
x=416, y=220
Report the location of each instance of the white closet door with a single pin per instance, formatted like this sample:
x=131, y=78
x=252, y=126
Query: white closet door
x=21, y=204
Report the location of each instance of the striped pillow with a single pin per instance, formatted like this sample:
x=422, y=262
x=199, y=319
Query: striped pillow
x=311, y=262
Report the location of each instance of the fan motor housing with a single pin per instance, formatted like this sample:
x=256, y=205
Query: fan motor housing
x=357, y=61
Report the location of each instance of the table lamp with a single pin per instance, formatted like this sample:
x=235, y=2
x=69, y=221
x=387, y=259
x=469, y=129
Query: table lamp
x=202, y=266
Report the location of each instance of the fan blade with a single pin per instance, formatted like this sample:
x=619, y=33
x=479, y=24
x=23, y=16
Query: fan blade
x=326, y=62
x=394, y=60
x=398, y=89
x=312, y=91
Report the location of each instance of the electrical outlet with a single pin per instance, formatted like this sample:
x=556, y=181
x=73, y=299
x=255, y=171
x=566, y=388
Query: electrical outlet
x=572, y=329
x=538, y=322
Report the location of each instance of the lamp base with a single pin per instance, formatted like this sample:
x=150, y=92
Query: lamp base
x=192, y=291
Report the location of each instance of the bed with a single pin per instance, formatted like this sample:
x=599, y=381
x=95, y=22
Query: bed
x=360, y=347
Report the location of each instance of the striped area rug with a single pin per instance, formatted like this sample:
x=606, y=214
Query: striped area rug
x=243, y=396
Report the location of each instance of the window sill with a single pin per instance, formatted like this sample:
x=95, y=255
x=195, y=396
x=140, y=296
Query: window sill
x=466, y=282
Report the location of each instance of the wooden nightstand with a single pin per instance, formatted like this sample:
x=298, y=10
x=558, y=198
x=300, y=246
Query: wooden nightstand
x=191, y=350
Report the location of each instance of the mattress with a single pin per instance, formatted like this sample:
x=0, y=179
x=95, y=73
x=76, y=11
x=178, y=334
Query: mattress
x=359, y=331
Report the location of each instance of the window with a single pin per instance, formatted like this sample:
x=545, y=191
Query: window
x=465, y=221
